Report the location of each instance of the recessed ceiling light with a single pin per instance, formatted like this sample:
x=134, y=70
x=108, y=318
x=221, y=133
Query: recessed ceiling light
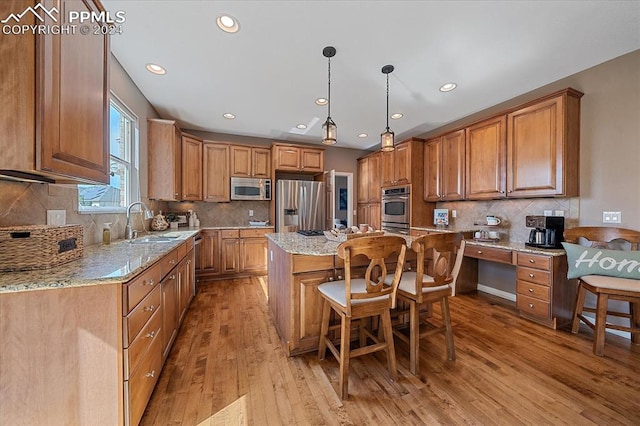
x=363, y=135
x=229, y=116
x=321, y=101
x=396, y=115
x=448, y=87
x=301, y=126
x=228, y=23
x=156, y=69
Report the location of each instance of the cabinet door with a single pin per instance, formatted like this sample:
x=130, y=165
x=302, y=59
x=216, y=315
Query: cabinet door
x=216, y=181
x=230, y=255
x=261, y=162
x=362, y=213
x=432, y=173
x=310, y=307
x=253, y=254
x=287, y=158
x=402, y=163
x=374, y=178
x=240, y=161
x=363, y=180
x=164, y=144
x=73, y=100
x=210, y=252
x=312, y=160
x=191, y=168
x=387, y=160
x=169, y=310
x=452, y=170
x=535, y=150
x=375, y=218
x=486, y=159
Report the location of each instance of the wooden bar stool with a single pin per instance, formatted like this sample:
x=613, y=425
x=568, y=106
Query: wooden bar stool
x=356, y=299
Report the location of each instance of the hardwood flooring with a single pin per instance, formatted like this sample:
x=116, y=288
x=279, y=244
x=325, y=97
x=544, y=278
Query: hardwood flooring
x=227, y=368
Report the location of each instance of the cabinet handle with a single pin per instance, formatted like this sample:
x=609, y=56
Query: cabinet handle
x=531, y=275
x=532, y=261
x=172, y=277
x=530, y=290
x=502, y=192
x=510, y=191
x=531, y=305
x=479, y=251
x=150, y=282
x=172, y=261
x=152, y=373
x=150, y=308
x=151, y=335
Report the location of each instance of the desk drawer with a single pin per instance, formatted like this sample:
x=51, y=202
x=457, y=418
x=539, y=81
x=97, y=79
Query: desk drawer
x=533, y=275
x=138, y=288
x=534, y=261
x=532, y=306
x=134, y=322
x=488, y=253
x=541, y=292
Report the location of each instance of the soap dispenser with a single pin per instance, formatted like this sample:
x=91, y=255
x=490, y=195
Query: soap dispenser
x=106, y=233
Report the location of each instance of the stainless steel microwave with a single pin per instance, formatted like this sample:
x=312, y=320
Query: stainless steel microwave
x=250, y=188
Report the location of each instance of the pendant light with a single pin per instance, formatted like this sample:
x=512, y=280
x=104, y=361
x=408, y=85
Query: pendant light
x=386, y=138
x=329, y=129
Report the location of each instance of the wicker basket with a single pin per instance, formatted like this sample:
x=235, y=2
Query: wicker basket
x=24, y=248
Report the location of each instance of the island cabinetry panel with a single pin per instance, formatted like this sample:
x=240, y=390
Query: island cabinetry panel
x=216, y=183
x=486, y=148
x=297, y=159
x=55, y=91
x=247, y=161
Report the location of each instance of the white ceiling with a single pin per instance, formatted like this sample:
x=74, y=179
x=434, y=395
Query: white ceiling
x=271, y=71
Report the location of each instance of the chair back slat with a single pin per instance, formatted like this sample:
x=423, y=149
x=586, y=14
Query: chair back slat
x=602, y=236
x=447, y=251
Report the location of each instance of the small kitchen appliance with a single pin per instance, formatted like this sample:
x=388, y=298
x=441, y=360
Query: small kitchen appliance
x=547, y=231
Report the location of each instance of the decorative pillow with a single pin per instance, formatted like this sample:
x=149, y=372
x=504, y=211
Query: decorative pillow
x=595, y=261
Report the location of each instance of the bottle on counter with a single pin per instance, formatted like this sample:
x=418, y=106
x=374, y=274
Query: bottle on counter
x=191, y=219
x=106, y=233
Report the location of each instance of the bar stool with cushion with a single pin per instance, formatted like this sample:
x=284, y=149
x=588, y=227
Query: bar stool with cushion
x=419, y=291
x=360, y=298
x=609, y=275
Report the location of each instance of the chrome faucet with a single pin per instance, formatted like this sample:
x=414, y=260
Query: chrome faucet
x=129, y=233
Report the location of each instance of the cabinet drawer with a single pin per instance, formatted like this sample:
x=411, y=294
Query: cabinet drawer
x=134, y=322
x=133, y=354
x=533, y=306
x=135, y=290
x=229, y=233
x=533, y=275
x=138, y=388
x=168, y=262
x=541, y=292
x=534, y=261
x=488, y=253
x=304, y=263
x=252, y=233
x=182, y=251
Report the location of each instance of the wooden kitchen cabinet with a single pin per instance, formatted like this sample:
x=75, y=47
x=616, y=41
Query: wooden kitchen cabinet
x=186, y=284
x=444, y=159
x=543, y=147
x=170, y=314
x=297, y=159
x=229, y=251
x=191, y=168
x=249, y=161
x=404, y=164
x=55, y=92
x=486, y=148
x=253, y=250
x=369, y=181
x=216, y=183
x=370, y=214
x=209, y=251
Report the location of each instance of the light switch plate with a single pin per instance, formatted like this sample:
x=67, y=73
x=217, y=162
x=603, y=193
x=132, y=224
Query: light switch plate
x=611, y=217
x=56, y=217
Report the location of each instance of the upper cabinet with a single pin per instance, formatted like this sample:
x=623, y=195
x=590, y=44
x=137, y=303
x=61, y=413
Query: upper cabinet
x=486, y=149
x=215, y=168
x=444, y=159
x=247, y=161
x=543, y=146
x=175, y=162
x=369, y=178
x=403, y=164
x=297, y=159
x=55, y=92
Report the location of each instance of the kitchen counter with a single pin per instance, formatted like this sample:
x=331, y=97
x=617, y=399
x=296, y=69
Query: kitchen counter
x=100, y=264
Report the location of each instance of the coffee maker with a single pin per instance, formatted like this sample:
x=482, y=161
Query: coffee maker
x=547, y=231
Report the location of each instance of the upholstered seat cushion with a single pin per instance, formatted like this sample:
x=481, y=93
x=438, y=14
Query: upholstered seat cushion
x=408, y=283
x=612, y=283
x=335, y=290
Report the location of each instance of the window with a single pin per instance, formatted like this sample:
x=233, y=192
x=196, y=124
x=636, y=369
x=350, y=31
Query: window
x=123, y=149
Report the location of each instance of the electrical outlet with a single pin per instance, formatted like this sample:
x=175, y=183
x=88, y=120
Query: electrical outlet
x=611, y=217
x=56, y=217
x=250, y=213
x=454, y=213
x=559, y=213
x=548, y=213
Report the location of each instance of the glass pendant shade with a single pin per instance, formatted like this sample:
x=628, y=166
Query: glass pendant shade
x=386, y=140
x=329, y=132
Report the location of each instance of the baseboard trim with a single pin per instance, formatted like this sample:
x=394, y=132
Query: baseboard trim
x=496, y=292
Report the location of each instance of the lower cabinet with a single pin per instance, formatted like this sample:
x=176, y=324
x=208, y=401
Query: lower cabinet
x=230, y=251
x=370, y=214
x=169, y=311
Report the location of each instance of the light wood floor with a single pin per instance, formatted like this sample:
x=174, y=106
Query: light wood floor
x=227, y=368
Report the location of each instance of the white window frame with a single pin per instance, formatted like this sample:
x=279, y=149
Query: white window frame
x=132, y=192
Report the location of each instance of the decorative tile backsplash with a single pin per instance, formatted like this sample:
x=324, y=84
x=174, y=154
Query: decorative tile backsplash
x=512, y=214
x=235, y=213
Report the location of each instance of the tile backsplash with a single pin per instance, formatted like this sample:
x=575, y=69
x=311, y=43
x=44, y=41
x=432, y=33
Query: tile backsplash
x=511, y=213
x=235, y=213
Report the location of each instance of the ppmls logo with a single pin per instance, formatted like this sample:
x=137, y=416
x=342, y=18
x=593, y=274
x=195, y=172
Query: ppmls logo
x=39, y=11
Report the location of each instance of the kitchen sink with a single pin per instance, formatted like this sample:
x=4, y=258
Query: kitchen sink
x=144, y=240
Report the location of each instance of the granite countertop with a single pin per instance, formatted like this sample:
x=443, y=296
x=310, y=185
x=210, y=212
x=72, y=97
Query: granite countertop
x=117, y=262
x=237, y=227
x=521, y=247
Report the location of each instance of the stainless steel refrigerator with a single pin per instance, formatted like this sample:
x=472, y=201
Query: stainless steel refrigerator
x=300, y=205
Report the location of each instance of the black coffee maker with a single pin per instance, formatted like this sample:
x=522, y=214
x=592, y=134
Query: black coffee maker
x=547, y=231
